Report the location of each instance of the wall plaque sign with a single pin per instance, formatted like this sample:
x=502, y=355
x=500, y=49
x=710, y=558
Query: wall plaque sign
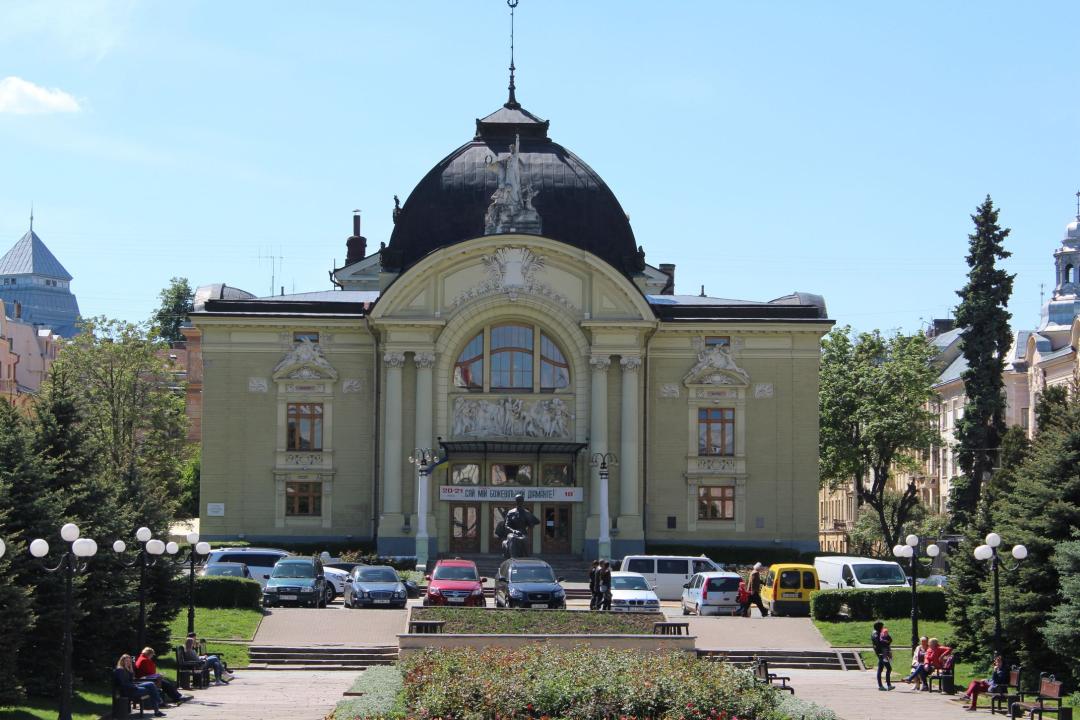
x=215, y=509
x=487, y=493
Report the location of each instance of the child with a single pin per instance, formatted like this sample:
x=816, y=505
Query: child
x=743, y=599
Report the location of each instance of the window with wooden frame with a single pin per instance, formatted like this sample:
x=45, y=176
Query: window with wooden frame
x=716, y=503
x=303, y=498
x=556, y=474
x=716, y=431
x=305, y=426
x=465, y=474
x=469, y=368
x=511, y=474
x=511, y=357
x=514, y=358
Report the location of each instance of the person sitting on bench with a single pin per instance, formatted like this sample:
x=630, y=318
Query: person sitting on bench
x=191, y=654
x=999, y=678
x=146, y=669
x=124, y=677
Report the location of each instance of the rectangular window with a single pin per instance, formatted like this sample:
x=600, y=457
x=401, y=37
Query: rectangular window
x=671, y=566
x=305, y=426
x=716, y=431
x=465, y=474
x=556, y=474
x=305, y=335
x=716, y=503
x=303, y=498
x=1024, y=417
x=505, y=474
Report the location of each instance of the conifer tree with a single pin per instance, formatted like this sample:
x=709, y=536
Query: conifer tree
x=16, y=616
x=985, y=342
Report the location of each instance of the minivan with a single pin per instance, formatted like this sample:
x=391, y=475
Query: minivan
x=667, y=574
x=788, y=587
x=841, y=571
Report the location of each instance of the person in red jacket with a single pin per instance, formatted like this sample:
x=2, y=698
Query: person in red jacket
x=934, y=660
x=146, y=669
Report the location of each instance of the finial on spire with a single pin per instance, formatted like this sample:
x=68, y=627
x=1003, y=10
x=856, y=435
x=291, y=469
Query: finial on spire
x=32, y=216
x=1078, y=204
x=512, y=102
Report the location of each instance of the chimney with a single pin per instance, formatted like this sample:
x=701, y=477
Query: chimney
x=356, y=246
x=669, y=270
x=940, y=327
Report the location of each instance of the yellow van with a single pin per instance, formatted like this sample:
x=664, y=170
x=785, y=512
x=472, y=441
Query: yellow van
x=787, y=588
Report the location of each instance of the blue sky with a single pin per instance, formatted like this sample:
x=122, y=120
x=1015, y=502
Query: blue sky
x=835, y=148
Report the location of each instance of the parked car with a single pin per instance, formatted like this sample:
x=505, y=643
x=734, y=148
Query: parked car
x=631, y=592
x=711, y=593
x=667, y=574
x=528, y=582
x=455, y=582
x=296, y=580
x=226, y=569
x=788, y=587
x=335, y=583
x=340, y=565
x=374, y=585
x=840, y=571
x=934, y=581
x=260, y=561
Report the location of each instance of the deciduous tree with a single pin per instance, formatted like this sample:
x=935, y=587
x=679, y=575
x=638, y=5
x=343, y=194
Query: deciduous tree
x=176, y=305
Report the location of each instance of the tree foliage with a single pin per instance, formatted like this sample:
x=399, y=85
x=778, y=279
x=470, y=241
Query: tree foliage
x=866, y=540
x=1062, y=631
x=985, y=344
x=176, y=304
x=875, y=417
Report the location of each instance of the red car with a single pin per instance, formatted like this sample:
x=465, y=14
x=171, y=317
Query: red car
x=456, y=583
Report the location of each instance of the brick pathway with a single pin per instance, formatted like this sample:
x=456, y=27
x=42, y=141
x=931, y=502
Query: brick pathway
x=854, y=696
x=335, y=625
x=267, y=695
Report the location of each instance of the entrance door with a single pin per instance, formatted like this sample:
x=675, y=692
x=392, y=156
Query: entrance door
x=556, y=529
x=464, y=528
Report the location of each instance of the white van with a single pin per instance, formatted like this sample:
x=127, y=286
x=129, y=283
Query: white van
x=260, y=561
x=856, y=572
x=667, y=574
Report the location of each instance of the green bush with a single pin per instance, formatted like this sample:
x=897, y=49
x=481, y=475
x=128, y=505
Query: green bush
x=227, y=592
x=793, y=707
x=491, y=621
x=862, y=604
x=379, y=688
x=369, y=558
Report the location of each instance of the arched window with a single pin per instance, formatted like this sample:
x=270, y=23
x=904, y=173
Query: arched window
x=1069, y=273
x=516, y=358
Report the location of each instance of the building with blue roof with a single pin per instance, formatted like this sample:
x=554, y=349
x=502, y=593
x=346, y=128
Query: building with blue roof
x=36, y=288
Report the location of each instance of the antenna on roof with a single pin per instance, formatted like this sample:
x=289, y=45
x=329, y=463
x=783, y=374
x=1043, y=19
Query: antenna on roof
x=512, y=102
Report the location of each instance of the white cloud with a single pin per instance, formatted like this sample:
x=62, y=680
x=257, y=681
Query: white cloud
x=21, y=97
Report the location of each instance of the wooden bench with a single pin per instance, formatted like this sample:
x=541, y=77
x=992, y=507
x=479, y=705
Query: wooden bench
x=1005, y=696
x=671, y=628
x=763, y=676
x=123, y=703
x=426, y=627
x=191, y=673
x=944, y=676
x=1049, y=692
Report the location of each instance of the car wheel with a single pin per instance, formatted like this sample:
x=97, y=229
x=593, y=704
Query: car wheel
x=697, y=609
x=684, y=610
x=330, y=594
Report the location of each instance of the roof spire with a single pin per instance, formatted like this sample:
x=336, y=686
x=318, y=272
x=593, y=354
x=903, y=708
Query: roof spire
x=512, y=102
x=32, y=216
x=1078, y=204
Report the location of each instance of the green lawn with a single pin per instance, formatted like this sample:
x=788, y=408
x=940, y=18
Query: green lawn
x=219, y=624
x=90, y=704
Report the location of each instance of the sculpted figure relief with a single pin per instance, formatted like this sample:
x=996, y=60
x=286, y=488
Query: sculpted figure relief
x=511, y=208
x=715, y=366
x=304, y=361
x=511, y=417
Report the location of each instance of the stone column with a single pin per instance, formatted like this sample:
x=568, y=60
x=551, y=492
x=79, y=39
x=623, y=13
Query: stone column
x=598, y=443
x=629, y=448
x=392, y=450
x=425, y=361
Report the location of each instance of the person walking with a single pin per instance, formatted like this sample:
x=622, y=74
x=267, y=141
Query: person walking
x=756, y=583
x=594, y=586
x=882, y=642
x=743, y=598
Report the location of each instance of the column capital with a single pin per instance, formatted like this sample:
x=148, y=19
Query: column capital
x=600, y=363
x=394, y=359
x=630, y=363
x=424, y=360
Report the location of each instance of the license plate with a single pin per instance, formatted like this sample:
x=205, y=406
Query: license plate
x=791, y=595
x=286, y=597
x=455, y=600
x=382, y=602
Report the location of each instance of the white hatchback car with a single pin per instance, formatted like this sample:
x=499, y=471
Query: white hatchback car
x=711, y=593
x=631, y=592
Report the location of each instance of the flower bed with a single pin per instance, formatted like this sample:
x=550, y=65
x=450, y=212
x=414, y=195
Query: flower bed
x=469, y=621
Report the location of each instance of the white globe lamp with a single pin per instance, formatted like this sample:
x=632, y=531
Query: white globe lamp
x=912, y=540
x=202, y=548
x=155, y=547
x=119, y=546
x=70, y=532
x=39, y=548
x=1019, y=552
x=192, y=538
x=933, y=551
x=143, y=534
x=172, y=548
x=993, y=540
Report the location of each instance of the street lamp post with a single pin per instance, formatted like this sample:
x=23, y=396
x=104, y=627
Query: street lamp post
x=149, y=551
x=72, y=562
x=989, y=551
x=602, y=461
x=909, y=550
x=196, y=548
x=424, y=459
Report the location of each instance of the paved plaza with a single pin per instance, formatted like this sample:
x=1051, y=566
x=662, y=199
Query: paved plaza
x=268, y=695
x=855, y=696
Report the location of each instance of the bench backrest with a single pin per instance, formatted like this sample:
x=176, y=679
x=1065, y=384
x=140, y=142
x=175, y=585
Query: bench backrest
x=761, y=670
x=1049, y=687
x=1014, y=676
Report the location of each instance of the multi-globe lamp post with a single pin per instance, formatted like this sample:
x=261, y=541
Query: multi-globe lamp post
x=71, y=563
x=601, y=461
x=424, y=459
x=910, y=550
x=195, y=550
x=149, y=551
x=989, y=552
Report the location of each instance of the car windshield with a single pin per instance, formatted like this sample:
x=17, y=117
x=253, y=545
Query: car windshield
x=294, y=570
x=455, y=572
x=531, y=573
x=629, y=583
x=883, y=574
x=377, y=575
x=226, y=571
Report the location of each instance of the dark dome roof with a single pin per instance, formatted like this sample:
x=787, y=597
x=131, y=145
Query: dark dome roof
x=575, y=206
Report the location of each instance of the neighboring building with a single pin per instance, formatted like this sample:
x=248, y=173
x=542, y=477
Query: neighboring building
x=34, y=282
x=512, y=324
x=26, y=353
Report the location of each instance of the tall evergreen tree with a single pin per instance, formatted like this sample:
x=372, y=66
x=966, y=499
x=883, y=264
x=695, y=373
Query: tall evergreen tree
x=16, y=616
x=176, y=305
x=986, y=340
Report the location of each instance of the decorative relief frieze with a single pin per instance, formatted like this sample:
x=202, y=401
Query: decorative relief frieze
x=763, y=390
x=352, y=385
x=258, y=384
x=669, y=390
x=709, y=393
x=513, y=271
x=424, y=360
x=714, y=464
x=715, y=366
x=304, y=362
x=305, y=387
x=511, y=417
x=303, y=459
x=394, y=359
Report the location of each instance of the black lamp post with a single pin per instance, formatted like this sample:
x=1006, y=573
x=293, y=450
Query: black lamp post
x=989, y=551
x=910, y=550
x=194, y=550
x=71, y=564
x=149, y=551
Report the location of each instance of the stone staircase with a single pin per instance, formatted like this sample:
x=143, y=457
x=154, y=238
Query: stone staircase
x=327, y=657
x=790, y=659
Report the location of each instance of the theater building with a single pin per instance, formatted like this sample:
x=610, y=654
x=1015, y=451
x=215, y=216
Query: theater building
x=512, y=325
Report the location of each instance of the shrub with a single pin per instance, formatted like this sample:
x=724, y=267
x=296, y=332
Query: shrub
x=227, y=592
x=793, y=707
x=380, y=688
x=369, y=558
x=861, y=604
x=488, y=621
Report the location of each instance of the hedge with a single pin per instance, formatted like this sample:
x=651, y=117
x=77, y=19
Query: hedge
x=884, y=603
x=227, y=592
